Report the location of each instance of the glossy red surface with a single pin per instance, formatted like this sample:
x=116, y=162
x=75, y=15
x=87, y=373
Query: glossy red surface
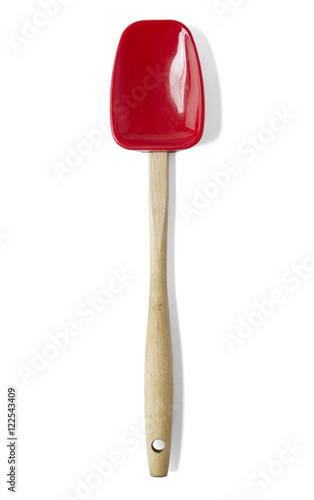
x=157, y=95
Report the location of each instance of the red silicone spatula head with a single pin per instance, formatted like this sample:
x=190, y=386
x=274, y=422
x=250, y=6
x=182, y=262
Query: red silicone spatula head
x=157, y=95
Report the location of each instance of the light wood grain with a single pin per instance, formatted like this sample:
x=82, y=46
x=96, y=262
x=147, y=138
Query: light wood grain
x=158, y=359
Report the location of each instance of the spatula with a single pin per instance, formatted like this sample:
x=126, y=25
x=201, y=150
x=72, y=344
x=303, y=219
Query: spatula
x=157, y=106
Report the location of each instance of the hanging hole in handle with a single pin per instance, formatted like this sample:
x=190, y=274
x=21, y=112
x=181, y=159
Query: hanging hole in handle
x=158, y=445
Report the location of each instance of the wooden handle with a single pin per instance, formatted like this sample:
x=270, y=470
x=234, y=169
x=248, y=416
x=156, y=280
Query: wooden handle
x=158, y=358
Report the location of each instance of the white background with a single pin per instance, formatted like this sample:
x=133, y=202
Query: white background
x=60, y=241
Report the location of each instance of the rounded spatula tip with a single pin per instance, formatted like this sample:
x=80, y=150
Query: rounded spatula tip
x=157, y=94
